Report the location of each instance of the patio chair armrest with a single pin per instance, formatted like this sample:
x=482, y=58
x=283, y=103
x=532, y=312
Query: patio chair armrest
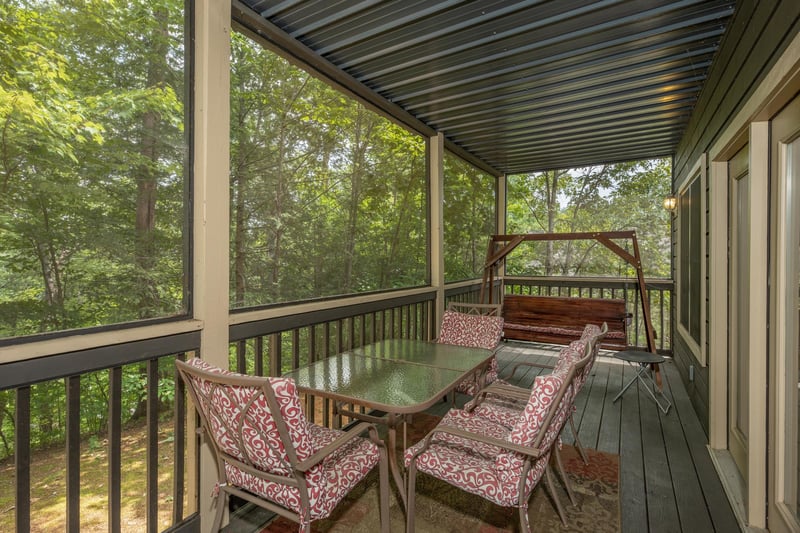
x=501, y=390
x=509, y=391
x=500, y=443
x=526, y=363
x=343, y=439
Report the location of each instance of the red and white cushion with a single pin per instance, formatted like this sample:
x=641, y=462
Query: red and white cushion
x=340, y=472
x=476, y=331
x=474, y=466
x=327, y=482
x=262, y=446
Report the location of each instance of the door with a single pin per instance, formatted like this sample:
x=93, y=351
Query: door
x=738, y=355
x=784, y=507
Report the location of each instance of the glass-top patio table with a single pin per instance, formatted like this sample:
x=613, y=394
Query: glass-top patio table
x=397, y=376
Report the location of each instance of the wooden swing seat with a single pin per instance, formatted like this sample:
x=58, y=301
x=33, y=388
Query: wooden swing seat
x=561, y=320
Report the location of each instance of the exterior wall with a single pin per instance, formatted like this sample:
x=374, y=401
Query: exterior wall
x=759, y=34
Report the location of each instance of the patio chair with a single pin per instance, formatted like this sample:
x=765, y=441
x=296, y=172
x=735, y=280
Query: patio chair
x=474, y=325
x=268, y=454
x=502, y=402
x=492, y=461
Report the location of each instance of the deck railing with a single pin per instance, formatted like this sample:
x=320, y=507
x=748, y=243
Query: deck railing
x=135, y=472
x=166, y=495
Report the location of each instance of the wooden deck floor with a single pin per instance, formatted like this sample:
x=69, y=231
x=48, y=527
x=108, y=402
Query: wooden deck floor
x=668, y=482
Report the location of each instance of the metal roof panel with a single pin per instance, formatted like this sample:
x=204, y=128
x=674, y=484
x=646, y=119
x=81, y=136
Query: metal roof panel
x=512, y=82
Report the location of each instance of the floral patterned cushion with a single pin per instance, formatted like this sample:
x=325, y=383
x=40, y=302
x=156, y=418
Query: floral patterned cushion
x=591, y=330
x=327, y=482
x=478, y=331
x=504, y=413
x=341, y=471
x=262, y=445
x=545, y=389
x=462, y=329
x=472, y=465
x=569, y=355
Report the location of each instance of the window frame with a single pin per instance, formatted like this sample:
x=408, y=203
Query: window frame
x=699, y=172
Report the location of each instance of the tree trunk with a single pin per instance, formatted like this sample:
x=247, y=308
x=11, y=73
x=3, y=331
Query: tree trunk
x=552, y=184
x=147, y=176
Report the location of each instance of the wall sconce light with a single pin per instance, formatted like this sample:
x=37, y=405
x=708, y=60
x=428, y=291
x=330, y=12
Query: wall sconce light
x=670, y=203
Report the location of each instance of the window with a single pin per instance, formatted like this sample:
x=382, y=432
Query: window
x=690, y=272
x=93, y=175
x=327, y=197
x=469, y=218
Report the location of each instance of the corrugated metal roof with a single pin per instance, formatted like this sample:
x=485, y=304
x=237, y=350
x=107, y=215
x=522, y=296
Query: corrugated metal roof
x=523, y=85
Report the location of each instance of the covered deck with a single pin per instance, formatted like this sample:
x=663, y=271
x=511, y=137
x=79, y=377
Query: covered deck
x=580, y=94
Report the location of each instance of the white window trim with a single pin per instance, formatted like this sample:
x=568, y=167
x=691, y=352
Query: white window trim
x=698, y=171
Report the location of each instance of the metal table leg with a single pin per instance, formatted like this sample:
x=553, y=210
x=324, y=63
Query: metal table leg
x=644, y=369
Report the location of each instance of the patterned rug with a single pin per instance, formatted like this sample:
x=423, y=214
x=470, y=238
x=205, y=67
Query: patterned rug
x=443, y=508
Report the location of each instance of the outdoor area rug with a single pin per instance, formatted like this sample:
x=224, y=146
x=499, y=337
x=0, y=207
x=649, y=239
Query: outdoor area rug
x=440, y=507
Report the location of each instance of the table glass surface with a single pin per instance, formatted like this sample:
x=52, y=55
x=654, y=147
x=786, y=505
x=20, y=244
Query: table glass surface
x=426, y=353
x=400, y=383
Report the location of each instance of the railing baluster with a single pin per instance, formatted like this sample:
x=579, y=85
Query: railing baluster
x=22, y=457
x=114, y=449
x=152, y=445
x=258, y=356
x=73, y=442
x=241, y=357
x=295, y=348
x=275, y=363
x=179, y=442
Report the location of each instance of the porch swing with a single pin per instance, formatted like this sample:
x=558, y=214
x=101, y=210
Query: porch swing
x=560, y=320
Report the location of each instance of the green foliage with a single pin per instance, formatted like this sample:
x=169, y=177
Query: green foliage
x=622, y=196
x=91, y=116
x=469, y=218
x=327, y=197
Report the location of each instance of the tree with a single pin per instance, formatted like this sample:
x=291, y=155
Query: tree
x=622, y=196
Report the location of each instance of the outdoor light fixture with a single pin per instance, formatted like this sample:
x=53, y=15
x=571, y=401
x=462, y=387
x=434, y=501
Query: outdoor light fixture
x=670, y=203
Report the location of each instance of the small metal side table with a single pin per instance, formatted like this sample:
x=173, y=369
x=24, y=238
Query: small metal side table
x=644, y=360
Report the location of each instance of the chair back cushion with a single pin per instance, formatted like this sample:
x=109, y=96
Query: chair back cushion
x=569, y=355
x=590, y=331
x=242, y=424
x=531, y=420
x=595, y=335
x=477, y=331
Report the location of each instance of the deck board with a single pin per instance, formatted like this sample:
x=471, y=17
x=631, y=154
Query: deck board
x=716, y=502
x=692, y=510
x=633, y=497
x=608, y=439
x=592, y=415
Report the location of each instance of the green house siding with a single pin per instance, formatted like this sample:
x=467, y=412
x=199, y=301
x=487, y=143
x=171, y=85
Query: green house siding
x=758, y=36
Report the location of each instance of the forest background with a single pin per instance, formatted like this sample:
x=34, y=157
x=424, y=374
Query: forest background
x=328, y=198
